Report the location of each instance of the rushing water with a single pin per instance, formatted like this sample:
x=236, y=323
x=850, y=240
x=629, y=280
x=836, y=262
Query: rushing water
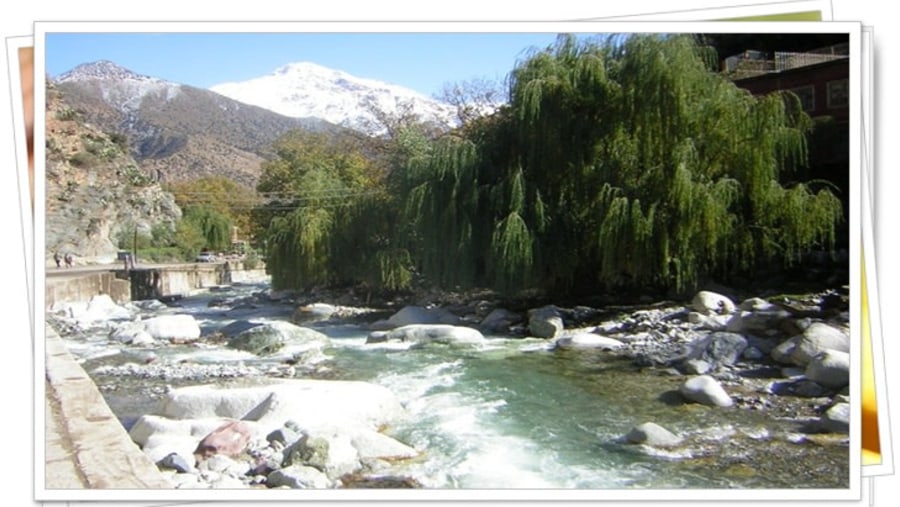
x=512, y=414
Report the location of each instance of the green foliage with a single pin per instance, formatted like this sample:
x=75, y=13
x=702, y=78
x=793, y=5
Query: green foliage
x=222, y=195
x=394, y=269
x=133, y=176
x=100, y=146
x=126, y=239
x=214, y=227
x=618, y=163
x=251, y=259
x=188, y=239
x=323, y=219
x=83, y=160
x=66, y=113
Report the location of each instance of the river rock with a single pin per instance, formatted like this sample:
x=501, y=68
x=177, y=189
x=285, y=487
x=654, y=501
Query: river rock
x=298, y=477
x=373, y=445
x=421, y=315
x=587, y=341
x=757, y=305
x=422, y=334
x=176, y=462
x=172, y=327
x=545, y=322
x=710, y=322
x=270, y=337
x=830, y=368
x=705, y=390
x=222, y=464
x=239, y=326
x=102, y=307
x=696, y=367
x=753, y=354
x=160, y=436
x=800, y=387
x=711, y=303
x=836, y=419
x=229, y=439
x=762, y=322
x=783, y=352
x=355, y=411
x=717, y=349
x=309, y=402
x=283, y=436
x=817, y=338
x=332, y=453
x=132, y=333
x=499, y=320
x=313, y=312
x=653, y=435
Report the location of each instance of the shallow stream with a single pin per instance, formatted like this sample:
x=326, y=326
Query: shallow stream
x=509, y=414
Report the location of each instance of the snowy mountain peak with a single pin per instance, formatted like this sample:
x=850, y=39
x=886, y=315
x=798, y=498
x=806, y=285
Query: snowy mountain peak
x=305, y=89
x=103, y=70
x=121, y=88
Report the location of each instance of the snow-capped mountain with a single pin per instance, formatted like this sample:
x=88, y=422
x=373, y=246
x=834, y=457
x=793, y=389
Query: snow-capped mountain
x=130, y=89
x=306, y=89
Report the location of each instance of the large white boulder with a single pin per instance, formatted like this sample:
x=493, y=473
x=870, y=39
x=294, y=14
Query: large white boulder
x=705, y=390
x=653, y=435
x=711, y=303
x=545, y=322
x=298, y=477
x=587, y=341
x=310, y=402
x=339, y=420
x=830, y=368
x=100, y=308
x=422, y=334
x=172, y=327
x=819, y=337
x=131, y=333
x=421, y=315
x=271, y=337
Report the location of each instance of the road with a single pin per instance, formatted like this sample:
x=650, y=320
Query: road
x=54, y=272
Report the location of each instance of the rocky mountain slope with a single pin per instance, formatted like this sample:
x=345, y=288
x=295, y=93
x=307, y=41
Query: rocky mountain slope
x=306, y=89
x=95, y=191
x=174, y=131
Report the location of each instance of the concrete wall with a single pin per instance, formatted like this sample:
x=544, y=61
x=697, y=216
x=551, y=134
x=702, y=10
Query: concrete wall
x=156, y=283
x=146, y=283
x=86, y=286
x=87, y=446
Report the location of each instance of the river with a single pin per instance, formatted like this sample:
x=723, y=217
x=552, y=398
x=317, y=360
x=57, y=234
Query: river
x=508, y=414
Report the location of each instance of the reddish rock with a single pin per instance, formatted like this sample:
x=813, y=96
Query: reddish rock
x=230, y=439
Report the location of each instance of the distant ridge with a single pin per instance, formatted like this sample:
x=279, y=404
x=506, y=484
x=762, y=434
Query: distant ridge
x=175, y=130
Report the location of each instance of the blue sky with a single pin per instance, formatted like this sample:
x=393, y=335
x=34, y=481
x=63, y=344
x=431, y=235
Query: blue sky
x=421, y=61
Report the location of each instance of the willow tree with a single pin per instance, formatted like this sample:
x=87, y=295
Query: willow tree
x=621, y=162
x=327, y=217
x=214, y=227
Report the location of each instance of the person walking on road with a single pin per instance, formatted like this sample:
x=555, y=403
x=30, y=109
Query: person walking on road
x=57, y=258
x=69, y=260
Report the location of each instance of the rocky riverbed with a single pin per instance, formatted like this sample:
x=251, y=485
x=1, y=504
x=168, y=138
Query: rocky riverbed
x=245, y=387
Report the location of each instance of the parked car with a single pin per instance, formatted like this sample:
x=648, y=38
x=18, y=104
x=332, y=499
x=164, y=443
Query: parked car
x=206, y=257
